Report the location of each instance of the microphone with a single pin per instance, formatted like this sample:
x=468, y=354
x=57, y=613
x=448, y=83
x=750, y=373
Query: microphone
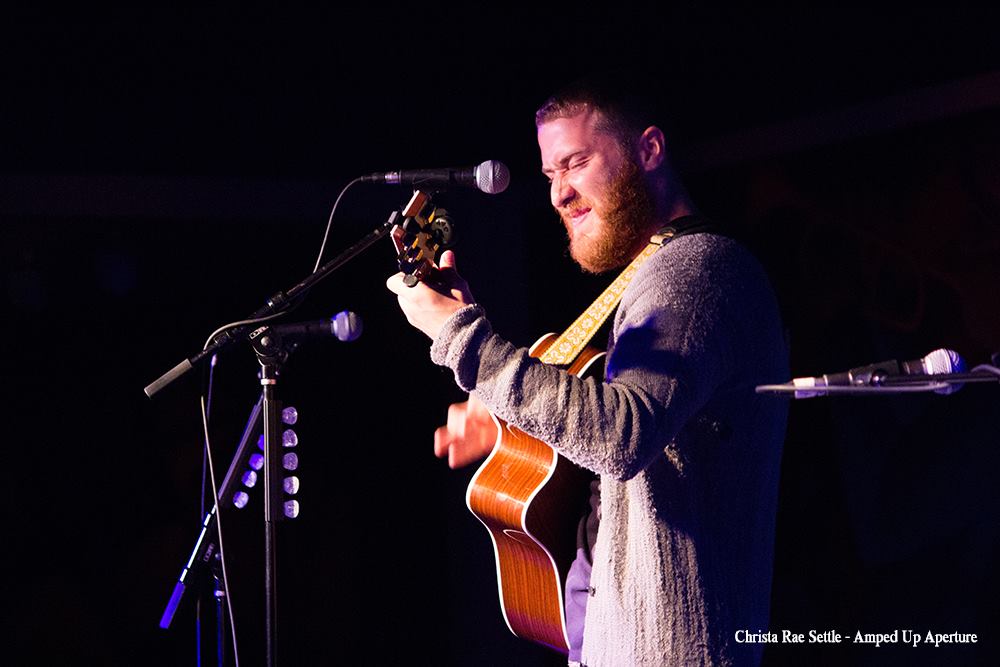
x=876, y=375
x=345, y=325
x=492, y=177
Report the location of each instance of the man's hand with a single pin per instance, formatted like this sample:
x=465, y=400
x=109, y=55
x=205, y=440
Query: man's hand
x=469, y=434
x=427, y=305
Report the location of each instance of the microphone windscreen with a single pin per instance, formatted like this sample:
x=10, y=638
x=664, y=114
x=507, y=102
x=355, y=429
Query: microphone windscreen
x=492, y=177
x=347, y=325
x=944, y=361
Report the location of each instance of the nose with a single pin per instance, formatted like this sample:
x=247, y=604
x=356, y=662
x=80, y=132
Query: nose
x=561, y=191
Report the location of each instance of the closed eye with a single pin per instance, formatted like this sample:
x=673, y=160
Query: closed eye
x=570, y=162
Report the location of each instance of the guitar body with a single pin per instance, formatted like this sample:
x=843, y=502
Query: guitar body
x=530, y=499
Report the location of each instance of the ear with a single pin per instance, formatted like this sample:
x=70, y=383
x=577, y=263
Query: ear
x=652, y=148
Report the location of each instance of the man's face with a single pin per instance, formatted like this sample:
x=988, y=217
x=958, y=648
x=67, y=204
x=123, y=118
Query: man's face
x=599, y=192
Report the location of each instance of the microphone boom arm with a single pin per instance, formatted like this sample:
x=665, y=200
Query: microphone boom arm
x=275, y=304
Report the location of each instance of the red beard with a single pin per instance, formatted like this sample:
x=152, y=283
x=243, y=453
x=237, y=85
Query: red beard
x=626, y=216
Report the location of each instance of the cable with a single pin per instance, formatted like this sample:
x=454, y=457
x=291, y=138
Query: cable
x=240, y=323
x=218, y=526
x=201, y=515
x=329, y=222
x=294, y=304
x=204, y=421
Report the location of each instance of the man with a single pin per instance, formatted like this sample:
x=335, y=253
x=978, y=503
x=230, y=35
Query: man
x=687, y=453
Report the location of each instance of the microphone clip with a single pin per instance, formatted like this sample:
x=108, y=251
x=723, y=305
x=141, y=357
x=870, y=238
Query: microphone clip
x=269, y=346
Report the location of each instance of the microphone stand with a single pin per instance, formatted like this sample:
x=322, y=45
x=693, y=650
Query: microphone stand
x=275, y=304
x=271, y=354
x=205, y=549
x=220, y=614
x=946, y=378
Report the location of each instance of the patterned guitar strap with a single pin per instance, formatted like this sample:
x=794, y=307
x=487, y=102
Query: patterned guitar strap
x=572, y=342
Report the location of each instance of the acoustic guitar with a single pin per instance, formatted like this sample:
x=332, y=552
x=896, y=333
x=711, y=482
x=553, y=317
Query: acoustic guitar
x=531, y=499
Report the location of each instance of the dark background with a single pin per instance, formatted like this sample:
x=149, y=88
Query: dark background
x=161, y=174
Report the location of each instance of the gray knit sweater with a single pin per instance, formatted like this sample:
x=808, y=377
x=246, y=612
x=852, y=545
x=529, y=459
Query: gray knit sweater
x=687, y=453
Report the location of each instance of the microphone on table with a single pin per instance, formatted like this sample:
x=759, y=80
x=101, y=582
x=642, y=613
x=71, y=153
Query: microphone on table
x=885, y=376
x=879, y=374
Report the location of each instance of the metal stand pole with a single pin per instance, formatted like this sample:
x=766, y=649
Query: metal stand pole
x=271, y=354
x=220, y=620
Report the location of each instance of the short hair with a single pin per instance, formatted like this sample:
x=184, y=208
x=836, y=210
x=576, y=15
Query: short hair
x=626, y=110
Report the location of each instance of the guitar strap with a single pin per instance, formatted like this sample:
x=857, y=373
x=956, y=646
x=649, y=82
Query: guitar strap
x=572, y=342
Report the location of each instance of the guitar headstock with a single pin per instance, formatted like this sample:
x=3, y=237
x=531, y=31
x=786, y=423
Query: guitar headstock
x=423, y=232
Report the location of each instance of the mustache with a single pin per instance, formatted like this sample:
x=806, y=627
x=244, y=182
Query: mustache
x=567, y=212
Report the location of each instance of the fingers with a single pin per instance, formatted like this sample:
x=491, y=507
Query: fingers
x=456, y=420
x=469, y=435
x=476, y=407
x=451, y=440
x=446, y=445
x=459, y=457
x=414, y=294
x=442, y=442
x=451, y=434
x=447, y=260
x=395, y=284
x=446, y=278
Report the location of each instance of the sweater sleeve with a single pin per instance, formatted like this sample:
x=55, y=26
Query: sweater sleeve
x=667, y=357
